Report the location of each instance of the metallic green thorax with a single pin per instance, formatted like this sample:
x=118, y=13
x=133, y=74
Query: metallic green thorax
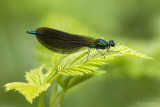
x=101, y=44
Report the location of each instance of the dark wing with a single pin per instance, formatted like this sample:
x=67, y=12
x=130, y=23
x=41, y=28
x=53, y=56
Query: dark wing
x=62, y=42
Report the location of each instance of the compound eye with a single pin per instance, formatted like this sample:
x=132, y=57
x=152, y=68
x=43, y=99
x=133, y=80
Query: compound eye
x=112, y=44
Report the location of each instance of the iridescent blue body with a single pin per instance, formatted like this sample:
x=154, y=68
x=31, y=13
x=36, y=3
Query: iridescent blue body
x=62, y=42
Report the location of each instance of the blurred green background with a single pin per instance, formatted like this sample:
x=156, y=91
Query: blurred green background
x=128, y=82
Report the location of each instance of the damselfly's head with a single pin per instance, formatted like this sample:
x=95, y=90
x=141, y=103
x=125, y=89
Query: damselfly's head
x=111, y=43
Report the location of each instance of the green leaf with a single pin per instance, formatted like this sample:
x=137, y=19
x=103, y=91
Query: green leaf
x=74, y=64
x=37, y=83
x=79, y=79
x=30, y=91
x=37, y=77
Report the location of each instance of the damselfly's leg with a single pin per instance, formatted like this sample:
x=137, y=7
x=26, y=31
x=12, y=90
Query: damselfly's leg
x=111, y=51
x=88, y=54
x=100, y=52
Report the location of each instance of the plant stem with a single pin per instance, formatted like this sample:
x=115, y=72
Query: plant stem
x=54, y=78
x=53, y=97
x=62, y=96
x=40, y=103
